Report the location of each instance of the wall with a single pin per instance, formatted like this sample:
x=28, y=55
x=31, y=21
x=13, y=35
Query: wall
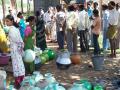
x=45, y=4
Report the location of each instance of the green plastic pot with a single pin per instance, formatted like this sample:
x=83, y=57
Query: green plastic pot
x=29, y=67
x=46, y=50
x=46, y=56
x=43, y=59
x=98, y=87
x=51, y=54
x=86, y=84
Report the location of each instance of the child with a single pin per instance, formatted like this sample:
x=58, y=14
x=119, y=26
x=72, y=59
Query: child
x=16, y=48
x=96, y=28
x=21, y=24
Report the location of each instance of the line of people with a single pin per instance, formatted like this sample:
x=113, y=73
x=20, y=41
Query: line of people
x=88, y=24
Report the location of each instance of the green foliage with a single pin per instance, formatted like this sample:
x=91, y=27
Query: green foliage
x=67, y=1
x=18, y=2
x=0, y=2
x=7, y=1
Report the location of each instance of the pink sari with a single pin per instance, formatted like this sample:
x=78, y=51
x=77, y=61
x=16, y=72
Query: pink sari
x=28, y=31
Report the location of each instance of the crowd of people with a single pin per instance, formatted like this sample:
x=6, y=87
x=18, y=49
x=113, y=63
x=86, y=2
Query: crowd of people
x=87, y=23
x=63, y=26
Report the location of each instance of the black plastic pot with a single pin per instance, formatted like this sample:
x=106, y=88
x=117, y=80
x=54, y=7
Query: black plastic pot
x=37, y=66
x=62, y=66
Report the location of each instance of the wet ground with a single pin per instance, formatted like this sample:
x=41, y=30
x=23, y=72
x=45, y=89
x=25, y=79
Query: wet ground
x=84, y=70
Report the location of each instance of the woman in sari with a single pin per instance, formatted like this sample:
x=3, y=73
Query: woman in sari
x=29, y=39
x=40, y=32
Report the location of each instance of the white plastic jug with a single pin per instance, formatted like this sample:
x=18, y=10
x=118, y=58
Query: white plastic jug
x=3, y=73
x=3, y=76
x=37, y=76
x=49, y=78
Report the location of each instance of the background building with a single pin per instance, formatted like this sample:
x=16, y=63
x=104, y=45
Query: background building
x=45, y=4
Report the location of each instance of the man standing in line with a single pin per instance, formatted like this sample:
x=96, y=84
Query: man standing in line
x=112, y=30
x=83, y=26
x=72, y=25
x=105, y=24
x=60, y=23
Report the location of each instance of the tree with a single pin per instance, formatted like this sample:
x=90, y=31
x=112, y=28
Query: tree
x=14, y=4
x=3, y=7
x=22, y=6
x=67, y=1
x=28, y=7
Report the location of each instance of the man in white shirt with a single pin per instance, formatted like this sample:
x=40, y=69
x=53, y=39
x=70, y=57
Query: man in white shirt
x=112, y=31
x=71, y=25
x=113, y=17
x=41, y=11
x=83, y=26
x=119, y=16
x=48, y=19
x=118, y=34
x=105, y=24
x=60, y=23
x=47, y=15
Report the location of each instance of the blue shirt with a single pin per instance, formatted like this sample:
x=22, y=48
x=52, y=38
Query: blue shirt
x=90, y=12
x=105, y=19
x=22, y=27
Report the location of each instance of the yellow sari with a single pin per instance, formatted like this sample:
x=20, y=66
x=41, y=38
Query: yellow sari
x=112, y=31
x=3, y=41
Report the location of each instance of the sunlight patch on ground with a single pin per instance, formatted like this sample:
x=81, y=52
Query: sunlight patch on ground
x=65, y=84
x=53, y=46
x=75, y=77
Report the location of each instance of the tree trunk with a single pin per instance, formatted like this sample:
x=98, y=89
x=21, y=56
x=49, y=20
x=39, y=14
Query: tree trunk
x=22, y=6
x=13, y=4
x=3, y=7
x=28, y=7
x=67, y=1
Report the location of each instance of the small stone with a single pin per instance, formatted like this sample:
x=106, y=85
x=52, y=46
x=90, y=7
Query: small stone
x=109, y=88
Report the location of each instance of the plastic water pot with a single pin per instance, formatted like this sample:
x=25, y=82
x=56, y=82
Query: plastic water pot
x=98, y=62
x=29, y=67
x=78, y=86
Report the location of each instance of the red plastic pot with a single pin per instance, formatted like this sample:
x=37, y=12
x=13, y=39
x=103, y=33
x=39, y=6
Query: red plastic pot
x=75, y=58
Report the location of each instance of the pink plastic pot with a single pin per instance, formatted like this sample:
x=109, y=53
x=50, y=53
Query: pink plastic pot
x=4, y=59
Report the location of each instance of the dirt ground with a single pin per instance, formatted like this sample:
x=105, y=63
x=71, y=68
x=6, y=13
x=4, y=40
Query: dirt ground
x=81, y=71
